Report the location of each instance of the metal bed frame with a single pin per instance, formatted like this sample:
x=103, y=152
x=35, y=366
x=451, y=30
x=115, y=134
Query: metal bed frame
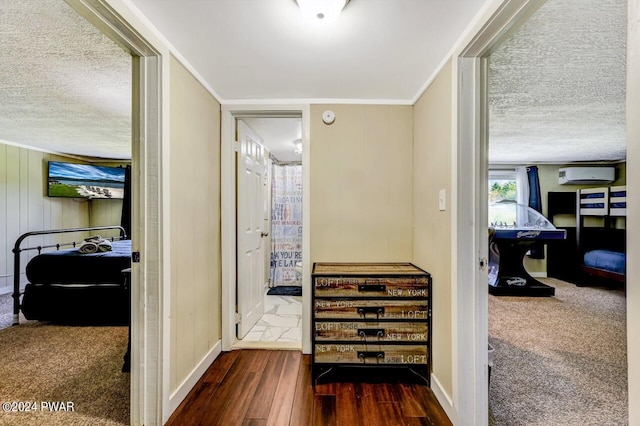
x=17, y=250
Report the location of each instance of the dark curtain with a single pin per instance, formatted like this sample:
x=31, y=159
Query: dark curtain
x=125, y=220
x=535, y=202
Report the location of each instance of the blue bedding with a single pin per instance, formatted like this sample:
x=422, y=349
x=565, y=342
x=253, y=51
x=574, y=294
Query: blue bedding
x=606, y=259
x=73, y=267
x=593, y=206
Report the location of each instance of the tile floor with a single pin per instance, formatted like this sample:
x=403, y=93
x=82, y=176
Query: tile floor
x=281, y=322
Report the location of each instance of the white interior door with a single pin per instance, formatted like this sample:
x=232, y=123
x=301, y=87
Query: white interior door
x=267, y=217
x=250, y=233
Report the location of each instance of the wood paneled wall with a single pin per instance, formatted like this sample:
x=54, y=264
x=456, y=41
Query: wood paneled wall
x=25, y=207
x=106, y=213
x=361, y=184
x=433, y=227
x=195, y=284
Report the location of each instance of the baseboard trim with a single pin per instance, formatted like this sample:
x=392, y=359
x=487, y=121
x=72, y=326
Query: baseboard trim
x=9, y=289
x=444, y=399
x=185, y=387
x=270, y=346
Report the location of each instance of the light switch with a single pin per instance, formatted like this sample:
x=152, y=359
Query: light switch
x=442, y=200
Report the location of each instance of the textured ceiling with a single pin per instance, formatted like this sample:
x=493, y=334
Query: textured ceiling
x=557, y=86
x=64, y=86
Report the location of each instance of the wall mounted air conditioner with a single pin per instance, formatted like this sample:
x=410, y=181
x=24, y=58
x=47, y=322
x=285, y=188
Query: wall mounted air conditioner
x=586, y=175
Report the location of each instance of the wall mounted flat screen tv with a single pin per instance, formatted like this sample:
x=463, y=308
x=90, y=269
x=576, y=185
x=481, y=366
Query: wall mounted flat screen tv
x=85, y=181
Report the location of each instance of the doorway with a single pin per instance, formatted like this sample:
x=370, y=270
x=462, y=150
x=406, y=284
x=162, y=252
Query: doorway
x=525, y=134
x=146, y=282
x=470, y=156
x=283, y=245
x=149, y=400
x=41, y=108
x=269, y=227
x=469, y=247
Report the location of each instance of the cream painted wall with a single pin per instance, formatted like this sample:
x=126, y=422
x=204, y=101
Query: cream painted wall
x=361, y=183
x=195, y=322
x=548, y=174
x=633, y=205
x=24, y=207
x=432, y=227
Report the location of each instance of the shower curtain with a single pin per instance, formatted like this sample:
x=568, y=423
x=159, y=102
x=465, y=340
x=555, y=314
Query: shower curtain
x=286, y=223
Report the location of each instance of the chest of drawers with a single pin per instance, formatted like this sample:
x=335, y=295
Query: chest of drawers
x=371, y=317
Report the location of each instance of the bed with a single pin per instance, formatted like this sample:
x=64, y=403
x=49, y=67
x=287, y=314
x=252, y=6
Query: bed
x=65, y=285
x=602, y=248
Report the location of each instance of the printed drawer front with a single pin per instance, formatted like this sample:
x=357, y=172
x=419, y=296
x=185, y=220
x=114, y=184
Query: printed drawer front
x=337, y=353
x=372, y=331
x=371, y=287
x=372, y=309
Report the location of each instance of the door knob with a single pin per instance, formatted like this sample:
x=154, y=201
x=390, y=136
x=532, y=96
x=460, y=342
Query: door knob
x=264, y=234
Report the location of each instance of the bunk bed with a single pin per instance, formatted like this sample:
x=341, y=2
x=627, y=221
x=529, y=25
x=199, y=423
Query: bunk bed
x=602, y=248
x=67, y=285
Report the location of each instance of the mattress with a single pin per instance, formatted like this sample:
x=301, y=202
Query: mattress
x=593, y=201
x=100, y=304
x=606, y=259
x=72, y=267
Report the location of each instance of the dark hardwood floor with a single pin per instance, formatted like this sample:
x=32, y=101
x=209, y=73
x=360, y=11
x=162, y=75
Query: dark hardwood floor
x=260, y=387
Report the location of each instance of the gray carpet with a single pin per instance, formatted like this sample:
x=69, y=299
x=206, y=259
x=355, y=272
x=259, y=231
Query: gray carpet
x=6, y=311
x=559, y=360
x=41, y=362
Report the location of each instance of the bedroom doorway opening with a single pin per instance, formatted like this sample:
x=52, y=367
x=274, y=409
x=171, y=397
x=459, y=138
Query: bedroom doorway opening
x=269, y=232
x=529, y=349
x=143, y=134
x=264, y=176
x=54, y=325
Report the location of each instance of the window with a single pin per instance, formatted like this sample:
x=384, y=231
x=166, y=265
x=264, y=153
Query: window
x=503, y=189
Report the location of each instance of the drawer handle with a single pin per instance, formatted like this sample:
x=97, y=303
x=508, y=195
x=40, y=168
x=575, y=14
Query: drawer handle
x=378, y=355
x=371, y=332
x=372, y=287
x=378, y=311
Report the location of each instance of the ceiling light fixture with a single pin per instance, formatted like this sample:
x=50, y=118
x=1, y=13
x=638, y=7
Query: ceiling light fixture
x=321, y=11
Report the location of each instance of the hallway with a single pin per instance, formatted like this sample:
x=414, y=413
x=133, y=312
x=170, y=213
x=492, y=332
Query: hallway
x=257, y=387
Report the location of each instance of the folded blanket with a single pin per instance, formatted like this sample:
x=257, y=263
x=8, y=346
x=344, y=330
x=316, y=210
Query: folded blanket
x=88, y=247
x=104, y=245
x=95, y=244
